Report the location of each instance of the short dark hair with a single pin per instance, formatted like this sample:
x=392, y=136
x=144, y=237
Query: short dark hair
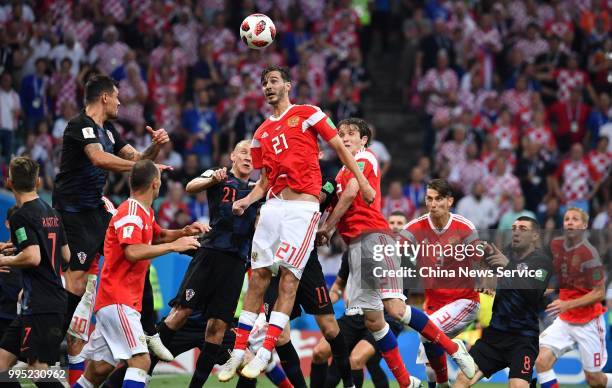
x=284, y=72
x=361, y=124
x=534, y=223
x=142, y=174
x=441, y=186
x=398, y=213
x=98, y=85
x=23, y=173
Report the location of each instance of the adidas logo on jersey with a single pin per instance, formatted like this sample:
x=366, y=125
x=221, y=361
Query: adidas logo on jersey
x=265, y=134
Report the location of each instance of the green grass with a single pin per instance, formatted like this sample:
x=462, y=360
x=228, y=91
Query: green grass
x=167, y=381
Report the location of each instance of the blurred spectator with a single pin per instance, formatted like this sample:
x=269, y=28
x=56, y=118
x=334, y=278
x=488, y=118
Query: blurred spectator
x=169, y=210
x=486, y=44
x=453, y=152
x=602, y=220
x=431, y=45
x=533, y=44
x=570, y=119
x=294, y=38
x=381, y=152
x=501, y=185
x=109, y=54
x=533, y=171
x=469, y=172
x=71, y=49
x=601, y=158
x=10, y=110
x=68, y=111
x=576, y=179
x=37, y=47
x=168, y=51
x=34, y=94
x=395, y=201
x=416, y=189
x=479, y=209
x=246, y=122
x=540, y=133
x=599, y=116
x=133, y=95
x=198, y=208
x=572, y=78
x=205, y=67
x=170, y=157
x=200, y=122
x=81, y=26
x=33, y=150
x=139, y=138
x=504, y=130
x=549, y=213
x=63, y=86
x=191, y=169
x=517, y=210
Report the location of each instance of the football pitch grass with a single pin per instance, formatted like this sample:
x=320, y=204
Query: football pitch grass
x=167, y=381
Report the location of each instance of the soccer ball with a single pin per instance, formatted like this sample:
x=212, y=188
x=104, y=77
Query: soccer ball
x=257, y=31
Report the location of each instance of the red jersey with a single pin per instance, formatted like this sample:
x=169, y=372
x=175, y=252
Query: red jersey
x=361, y=217
x=578, y=270
x=459, y=231
x=287, y=147
x=121, y=281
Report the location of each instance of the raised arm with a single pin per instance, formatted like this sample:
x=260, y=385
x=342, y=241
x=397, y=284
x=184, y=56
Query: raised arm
x=367, y=192
x=136, y=252
x=208, y=179
x=105, y=160
x=258, y=192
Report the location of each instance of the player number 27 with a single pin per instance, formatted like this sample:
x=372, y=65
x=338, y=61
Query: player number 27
x=279, y=143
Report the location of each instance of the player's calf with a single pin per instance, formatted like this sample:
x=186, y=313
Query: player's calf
x=215, y=330
x=95, y=374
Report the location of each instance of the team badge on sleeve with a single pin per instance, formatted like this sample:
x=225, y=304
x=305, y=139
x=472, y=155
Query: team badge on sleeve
x=361, y=166
x=330, y=123
x=21, y=235
x=88, y=133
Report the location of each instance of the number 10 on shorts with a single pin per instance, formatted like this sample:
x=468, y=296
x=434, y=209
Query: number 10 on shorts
x=284, y=250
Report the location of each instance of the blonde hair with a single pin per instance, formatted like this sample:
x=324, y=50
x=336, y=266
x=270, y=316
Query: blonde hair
x=583, y=214
x=243, y=143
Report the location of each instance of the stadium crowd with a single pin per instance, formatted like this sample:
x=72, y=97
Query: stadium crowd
x=514, y=95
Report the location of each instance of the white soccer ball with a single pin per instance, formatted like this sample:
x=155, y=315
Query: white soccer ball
x=257, y=31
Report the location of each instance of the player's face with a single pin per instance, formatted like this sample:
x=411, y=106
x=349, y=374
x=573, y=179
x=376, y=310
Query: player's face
x=396, y=223
x=111, y=102
x=573, y=224
x=352, y=140
x=241, y=158
x=436, y=204
x=523, y=235
x=275, y=89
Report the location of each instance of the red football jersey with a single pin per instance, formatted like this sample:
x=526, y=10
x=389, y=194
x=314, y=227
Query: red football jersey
x=287, y=147
x=361, y=217
x=121, y=281
x=578, y=270
x=459, y=231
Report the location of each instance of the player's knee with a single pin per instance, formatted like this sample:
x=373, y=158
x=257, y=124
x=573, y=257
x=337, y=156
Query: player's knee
x=288, y=284
x=140, y=361
x=395, y=308
x=260, y=278
x=358, y=361
x=215, y=330
x=544, y=361
x=329, y=327
x=595, y=379
x=321, y=352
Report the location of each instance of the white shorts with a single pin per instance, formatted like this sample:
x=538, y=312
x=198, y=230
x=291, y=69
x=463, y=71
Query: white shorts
x=118, y=335
x=452, y=319
x=364, y=290
x=285, y=234
x=590, y=338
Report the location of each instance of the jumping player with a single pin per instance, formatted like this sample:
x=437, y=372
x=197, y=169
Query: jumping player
x=38, y=235
x=364, y=227
x=132, y=239
x=511, y=339
x=91, y=147
x=451, y=309
x=285, y=148
x=213, y=281
x=580, y=321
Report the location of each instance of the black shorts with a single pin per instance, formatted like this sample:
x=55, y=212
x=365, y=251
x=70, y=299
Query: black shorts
x=312, y=294
x=497, y=350
x=353, y=329
x=85, y=233
x=212, y=284
x=35, y=337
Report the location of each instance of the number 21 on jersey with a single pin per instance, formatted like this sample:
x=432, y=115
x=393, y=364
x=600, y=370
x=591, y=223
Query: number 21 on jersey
x=279, y=143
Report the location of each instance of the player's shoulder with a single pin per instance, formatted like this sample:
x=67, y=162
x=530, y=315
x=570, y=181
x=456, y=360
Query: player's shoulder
x=588, y=251
x=304, y=110
x=459, y=221
x=367, y=155
x=129, y=212
x=417, y=223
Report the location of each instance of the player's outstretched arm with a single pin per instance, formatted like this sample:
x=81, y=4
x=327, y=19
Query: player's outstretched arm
x=558, y=306
x=258, y=192
x=367, y=192
x=208, y=179
x=169, y=235
x=158, y=138
x=27, y=258
x=105, y=160
x=136, y=252
x=344, y=203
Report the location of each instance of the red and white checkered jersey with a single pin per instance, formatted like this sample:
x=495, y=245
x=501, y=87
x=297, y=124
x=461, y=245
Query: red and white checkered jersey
x=114, y=8
x=501, y=189
x=286, y=146
x=66, y=90
x=505, y=134
x=468, y=173
x=122, y=281
x=515, y=100
x=568, y=80
x=541, y=135
x=109, y=56
x=579, y=269
x=178, y=55
x=577, y=177
x=403, y=204
x=361, y=218
x=602, y=161
x=531, y=49
x=434, y=80
x=452, y=152
x=458, y=231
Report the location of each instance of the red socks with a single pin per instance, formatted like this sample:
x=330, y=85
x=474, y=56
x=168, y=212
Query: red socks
x=272, y=337
x=396, y=365
x=435, y=335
